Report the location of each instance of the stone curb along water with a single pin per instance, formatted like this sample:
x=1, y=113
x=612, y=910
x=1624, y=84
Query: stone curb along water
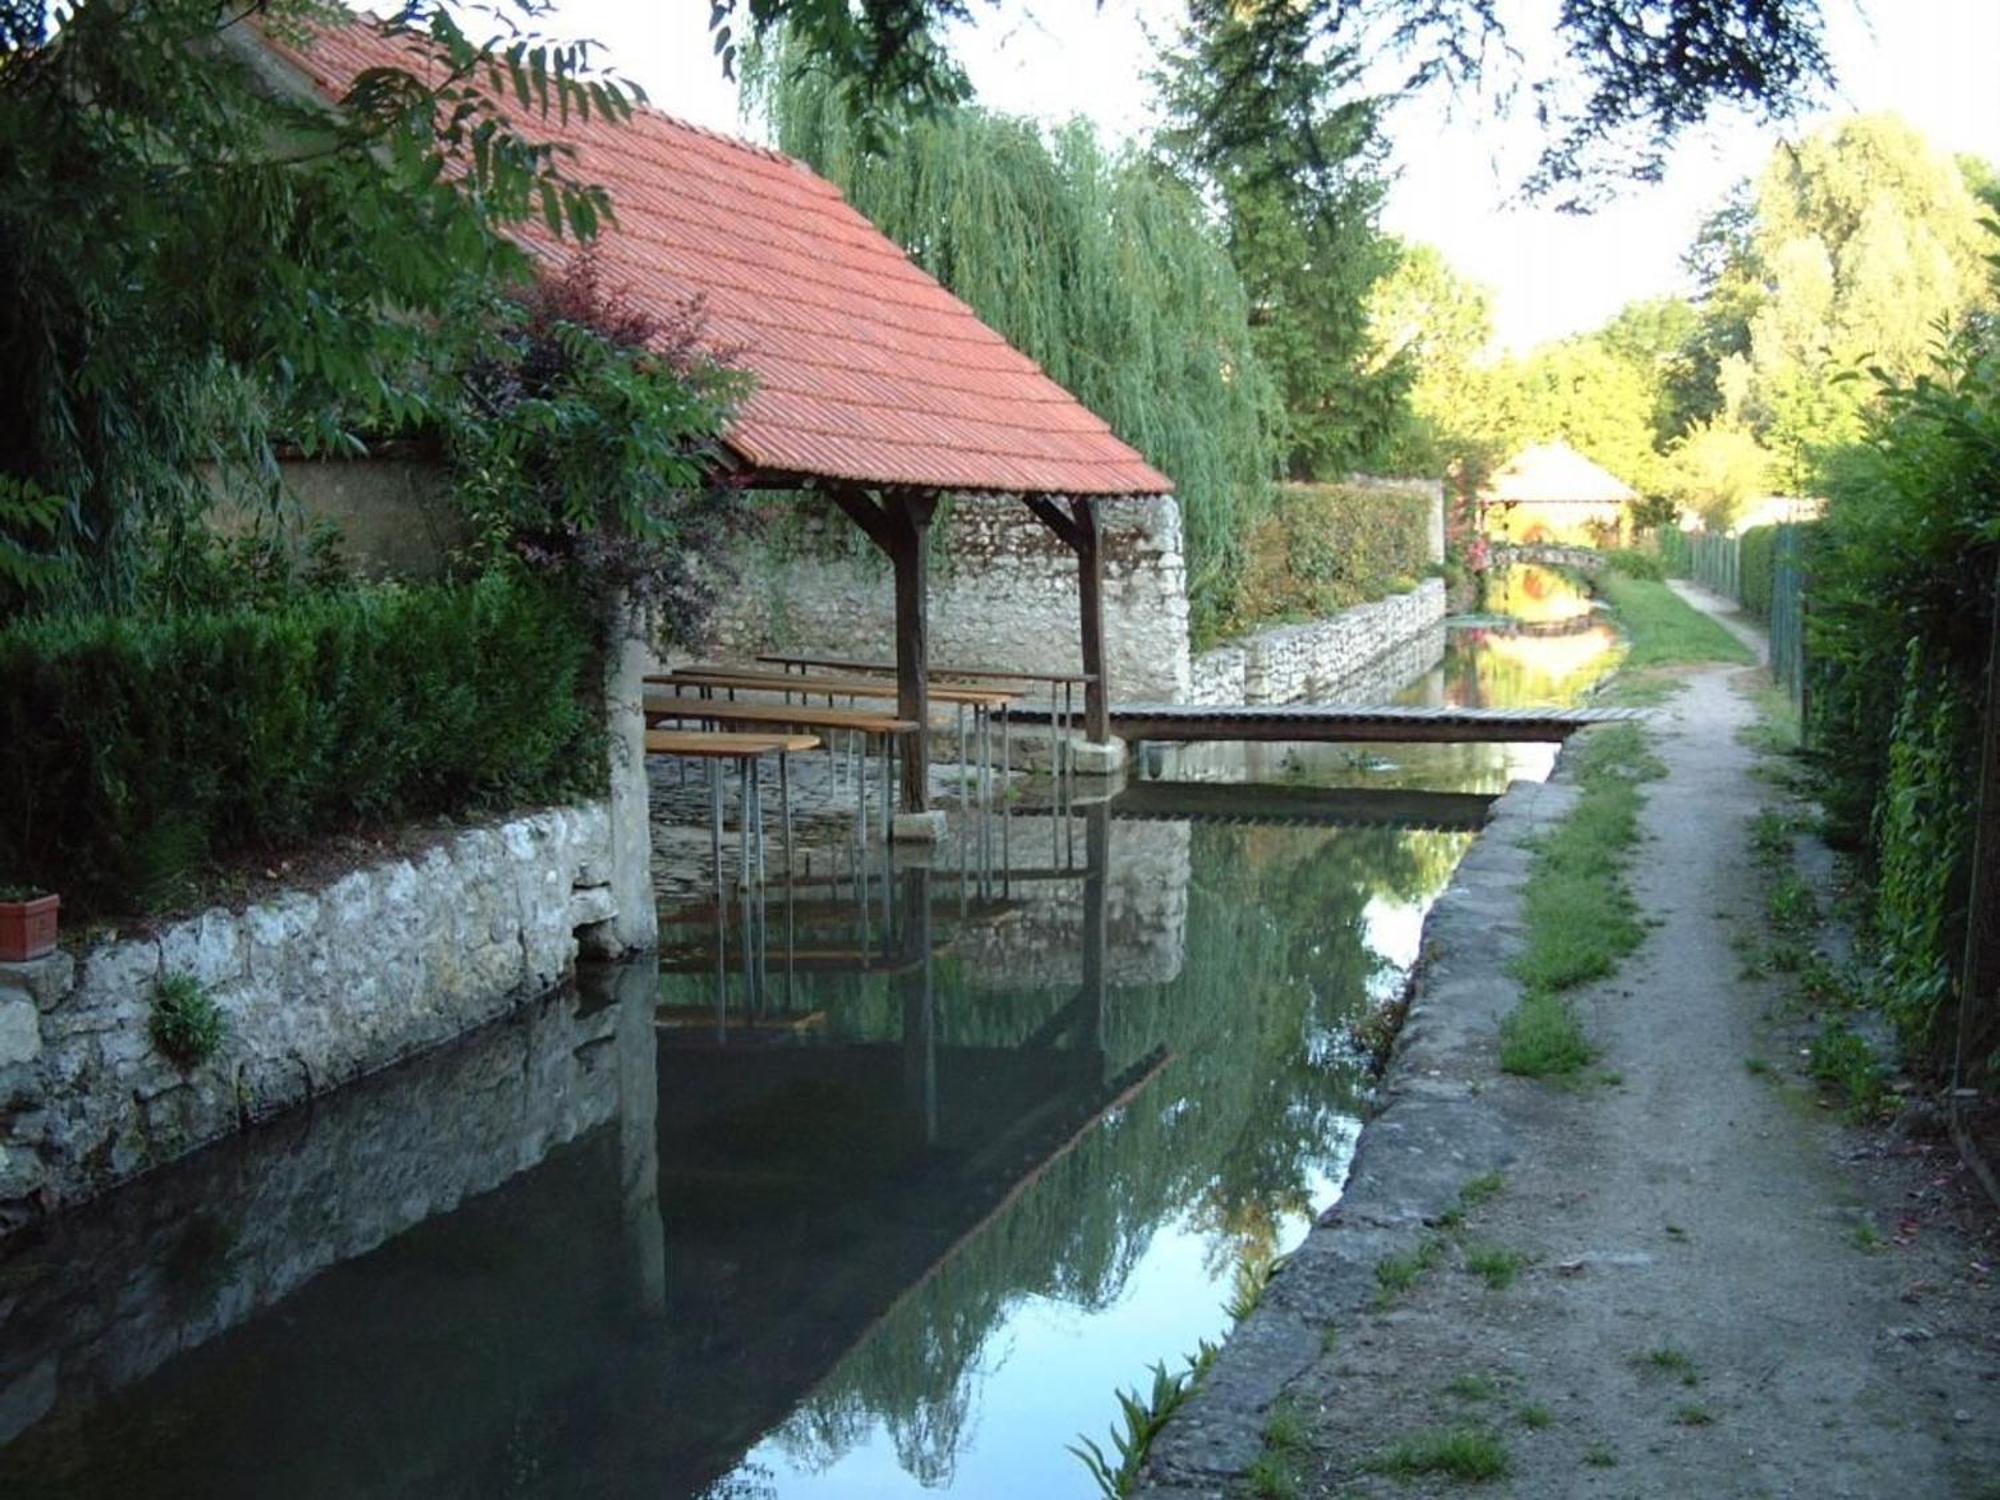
x=315, y=989
x=1432, y=1134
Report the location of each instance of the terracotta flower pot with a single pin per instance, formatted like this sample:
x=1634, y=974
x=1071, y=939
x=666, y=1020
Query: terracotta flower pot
x=27, y=928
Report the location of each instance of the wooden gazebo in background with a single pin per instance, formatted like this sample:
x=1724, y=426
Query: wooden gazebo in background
x=874, y=385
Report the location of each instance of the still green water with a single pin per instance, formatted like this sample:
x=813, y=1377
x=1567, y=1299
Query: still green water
x=898, y=1219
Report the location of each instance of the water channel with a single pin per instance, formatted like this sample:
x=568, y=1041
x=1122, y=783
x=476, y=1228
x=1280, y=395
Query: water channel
x=897, y=1218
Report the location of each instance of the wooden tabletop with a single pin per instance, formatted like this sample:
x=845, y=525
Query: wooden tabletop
x=712, y=745
x=749, y=679
x=802, y=715
x=996, y=674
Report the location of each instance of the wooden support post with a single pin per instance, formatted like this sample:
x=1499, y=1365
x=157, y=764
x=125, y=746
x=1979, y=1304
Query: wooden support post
x=900, y=525
x=1078, y=530
x=911, y=517
x=1090, y=598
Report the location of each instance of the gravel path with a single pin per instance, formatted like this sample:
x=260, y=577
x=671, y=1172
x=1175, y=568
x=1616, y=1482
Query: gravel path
x=1722, y=1290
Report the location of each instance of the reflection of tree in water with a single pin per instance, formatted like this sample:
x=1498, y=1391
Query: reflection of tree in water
x=1230, y=1137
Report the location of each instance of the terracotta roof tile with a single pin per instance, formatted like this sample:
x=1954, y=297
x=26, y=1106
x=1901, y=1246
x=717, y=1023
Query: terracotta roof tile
x=866, y=368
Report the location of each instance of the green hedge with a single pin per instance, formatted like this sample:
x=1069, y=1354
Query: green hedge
x=1758, y=563
x=1325, y=547
x=137, y=749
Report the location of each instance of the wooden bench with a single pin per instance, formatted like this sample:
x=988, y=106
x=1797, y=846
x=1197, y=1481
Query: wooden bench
x=746, y=750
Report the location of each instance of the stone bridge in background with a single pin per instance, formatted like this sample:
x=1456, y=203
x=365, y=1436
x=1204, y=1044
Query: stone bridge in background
x=1585, y=558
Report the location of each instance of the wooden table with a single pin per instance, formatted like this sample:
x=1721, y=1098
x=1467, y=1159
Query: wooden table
x=1061, y=685
x=711, y=677
x=745, y=750
x=660, y=708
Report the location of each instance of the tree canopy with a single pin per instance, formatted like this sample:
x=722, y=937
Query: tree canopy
x=1630, y=78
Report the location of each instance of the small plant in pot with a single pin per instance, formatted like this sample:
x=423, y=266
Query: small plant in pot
x=27, y=922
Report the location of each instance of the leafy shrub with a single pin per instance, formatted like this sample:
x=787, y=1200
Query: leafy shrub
x=1920, y=839
x=136, y=748
x=1757, y=564
x=185, y=1025
x=1324, y=547
x=1636, y=564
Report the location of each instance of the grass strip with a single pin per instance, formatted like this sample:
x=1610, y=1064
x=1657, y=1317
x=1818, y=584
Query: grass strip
x=1581, y=917
x=1662, y=629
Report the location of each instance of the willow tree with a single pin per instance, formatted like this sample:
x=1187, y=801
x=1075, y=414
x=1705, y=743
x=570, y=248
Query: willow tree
x=1092, y=262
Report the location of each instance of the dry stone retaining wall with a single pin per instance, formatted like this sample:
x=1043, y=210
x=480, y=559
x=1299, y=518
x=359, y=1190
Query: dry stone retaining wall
x=1003, y=594
x=315, y=989
x=1288, y=663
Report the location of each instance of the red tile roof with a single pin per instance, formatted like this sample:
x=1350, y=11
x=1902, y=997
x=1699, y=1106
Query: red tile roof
x=866, y=368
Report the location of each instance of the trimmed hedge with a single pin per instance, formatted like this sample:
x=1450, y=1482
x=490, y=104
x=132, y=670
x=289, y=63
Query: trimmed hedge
x=1757, y=564
x=135, y=749
x=1326, y=547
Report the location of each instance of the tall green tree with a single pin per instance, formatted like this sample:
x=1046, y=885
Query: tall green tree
x=1293, y=167
x=1855, y=250
x=1095, y=263
x=1627, y=77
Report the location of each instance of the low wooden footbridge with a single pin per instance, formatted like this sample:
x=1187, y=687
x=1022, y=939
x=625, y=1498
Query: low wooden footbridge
x=1332, y=723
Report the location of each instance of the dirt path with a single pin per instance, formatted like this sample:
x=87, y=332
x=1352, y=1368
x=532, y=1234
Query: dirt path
x=1724, y=1291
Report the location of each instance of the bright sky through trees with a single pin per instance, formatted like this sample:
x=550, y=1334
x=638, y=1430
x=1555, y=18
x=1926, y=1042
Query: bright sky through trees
x=1928, y=60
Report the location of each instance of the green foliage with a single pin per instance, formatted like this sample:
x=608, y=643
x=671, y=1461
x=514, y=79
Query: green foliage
x=1902, y=590
x=1921, y=840
x=1142, y=1419
x=1633, y=563
x=1581, y=918
x=1627, y=76
x=1853, y=248
x=1294, y=166
x=1324, y=547
x=1757, y=561
x=1397, y=1274
x=185, y=1024
x=1096, y=265
x=1663, y=630
x=1473, y=1454
x=140, y=747
x=582, y=437
x=1715, y=471
x=199, y=261
x=1843, y=1061
x=1496, y=1265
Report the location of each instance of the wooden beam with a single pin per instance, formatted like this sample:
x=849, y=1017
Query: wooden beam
x=1090, y=600
x=908, y=520
x=1049, y=515
x=864, y=512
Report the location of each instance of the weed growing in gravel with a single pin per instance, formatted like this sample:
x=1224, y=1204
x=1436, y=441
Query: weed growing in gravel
x=1472, y=1387
x=1496, y=1264
x=1274, y=1475
x=1843, y=1061
x=1601, y=1456
x=1668, y=1360
x=1396, y=1274
x=1757, y=1065
x=1581, y=918
x=1536, y=1415
x=1470, y=1453
x=1692, y=1415
x=1481, y=1189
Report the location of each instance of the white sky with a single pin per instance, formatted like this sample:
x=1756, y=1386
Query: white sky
x=1930, y=60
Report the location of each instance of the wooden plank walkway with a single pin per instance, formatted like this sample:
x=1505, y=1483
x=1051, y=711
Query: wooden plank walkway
x=1335, y=723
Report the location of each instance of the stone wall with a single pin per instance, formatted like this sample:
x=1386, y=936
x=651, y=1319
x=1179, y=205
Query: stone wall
x=205, y=1245
x=1003, y=593
x=315, y=988
x=1290, y=663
